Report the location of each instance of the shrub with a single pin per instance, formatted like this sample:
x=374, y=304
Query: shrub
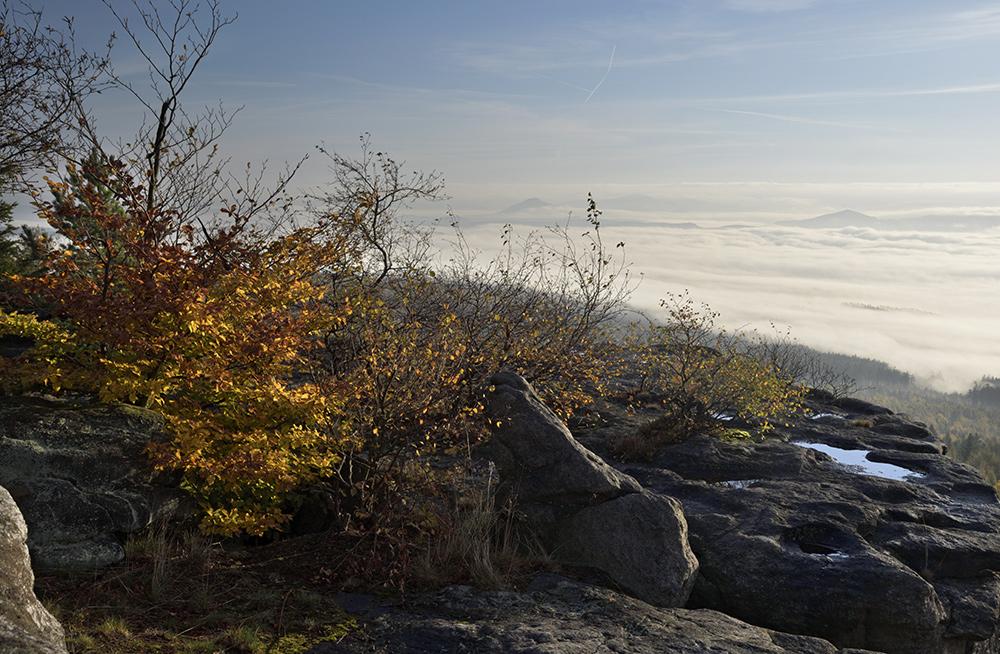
x=417, y=344
x=802, y=366
x=545, y=306
x=705, y=377
x=203, y=330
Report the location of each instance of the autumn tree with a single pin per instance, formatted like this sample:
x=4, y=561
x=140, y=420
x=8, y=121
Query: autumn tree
x=166, y=301
x=205, y=332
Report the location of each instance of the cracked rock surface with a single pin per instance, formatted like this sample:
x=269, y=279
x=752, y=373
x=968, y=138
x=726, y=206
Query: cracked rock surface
x=557, y=616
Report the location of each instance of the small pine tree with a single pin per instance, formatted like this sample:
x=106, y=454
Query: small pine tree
x=9, y=249
x=22, y=249
x=90, y=191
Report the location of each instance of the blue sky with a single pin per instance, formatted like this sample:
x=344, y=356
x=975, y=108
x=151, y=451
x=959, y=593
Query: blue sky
x=758, y=109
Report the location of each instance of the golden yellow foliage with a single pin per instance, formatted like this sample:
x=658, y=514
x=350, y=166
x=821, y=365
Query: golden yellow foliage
x=208, y=332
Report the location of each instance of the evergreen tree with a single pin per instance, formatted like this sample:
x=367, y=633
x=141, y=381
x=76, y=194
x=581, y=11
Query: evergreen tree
x=8, y=242
x=90, y=190
x=22, y=249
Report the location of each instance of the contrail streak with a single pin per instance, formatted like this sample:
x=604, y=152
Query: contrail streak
x=610, y=63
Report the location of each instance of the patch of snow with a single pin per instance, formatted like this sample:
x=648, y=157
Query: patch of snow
x=857, y=461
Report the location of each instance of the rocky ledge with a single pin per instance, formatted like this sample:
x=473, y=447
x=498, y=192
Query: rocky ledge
x=555, y=616
x=848, y=525
x=81, y=477
x=847, y=530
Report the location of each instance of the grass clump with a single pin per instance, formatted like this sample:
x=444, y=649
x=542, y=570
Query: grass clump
x=481, y=543
x=177, y=592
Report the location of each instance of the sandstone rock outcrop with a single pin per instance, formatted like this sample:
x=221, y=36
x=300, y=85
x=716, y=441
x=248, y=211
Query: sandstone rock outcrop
x=903, y=559
x=558, y=616
x=25, y=626
x=586, y=512
x=81, y=477
x=848, y=525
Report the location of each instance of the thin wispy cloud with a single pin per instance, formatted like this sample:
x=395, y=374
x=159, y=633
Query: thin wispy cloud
x=846, y=95
x=809, y=121
x=559, y=81
x=528, y=56
x=769, y=6
x=257, y=84
x=948, y=90
x=911, y=33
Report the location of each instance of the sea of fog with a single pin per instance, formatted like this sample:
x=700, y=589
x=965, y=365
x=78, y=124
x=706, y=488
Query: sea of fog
x=925, y=302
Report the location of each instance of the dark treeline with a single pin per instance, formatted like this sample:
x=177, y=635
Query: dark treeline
x=866, y=372
x=985, y=392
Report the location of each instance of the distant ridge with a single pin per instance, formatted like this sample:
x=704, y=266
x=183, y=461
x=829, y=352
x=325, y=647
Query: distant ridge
x=930, y=223
x=527, y=205
x=845, y=218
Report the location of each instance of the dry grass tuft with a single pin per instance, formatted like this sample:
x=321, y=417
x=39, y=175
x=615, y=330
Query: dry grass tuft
x=178, y=592
x=483, y=544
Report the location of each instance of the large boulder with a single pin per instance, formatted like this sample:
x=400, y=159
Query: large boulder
x=847, y=525
x=25, y=626
x=554, y=616
x=584, y=511
x=537, y=455
x=81, y=477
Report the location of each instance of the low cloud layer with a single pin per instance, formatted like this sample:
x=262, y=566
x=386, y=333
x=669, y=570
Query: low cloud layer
x=923, y=302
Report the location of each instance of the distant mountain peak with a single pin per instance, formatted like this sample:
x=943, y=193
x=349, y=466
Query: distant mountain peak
x=845, y=218
x=527, y=205
x=847, y=213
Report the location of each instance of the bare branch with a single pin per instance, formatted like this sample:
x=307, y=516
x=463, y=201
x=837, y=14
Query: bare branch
x=371, y=190
x=179, y=152
x=44, y=80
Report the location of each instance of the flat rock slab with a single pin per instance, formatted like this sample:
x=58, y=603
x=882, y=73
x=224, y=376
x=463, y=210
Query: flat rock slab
x=790, y=537
x=557, y=616
x=81, y=477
